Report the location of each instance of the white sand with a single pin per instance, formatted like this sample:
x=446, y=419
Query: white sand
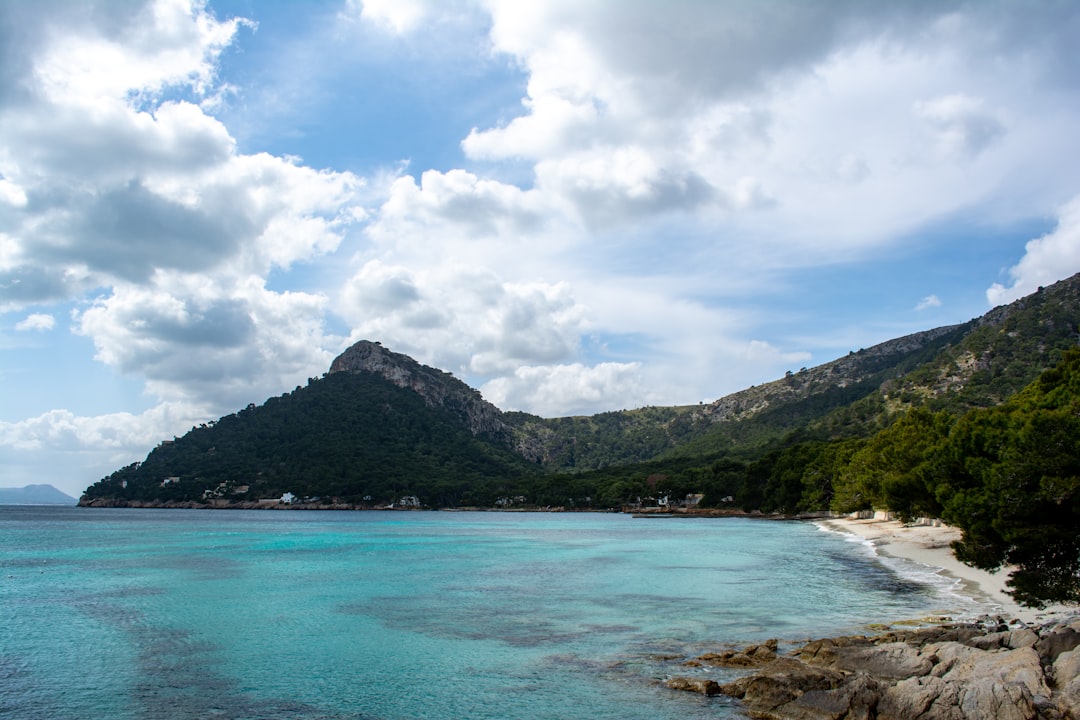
x=929, y=545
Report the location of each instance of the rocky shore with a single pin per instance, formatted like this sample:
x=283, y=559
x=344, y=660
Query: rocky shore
x=1024, y=668
x=967, y=671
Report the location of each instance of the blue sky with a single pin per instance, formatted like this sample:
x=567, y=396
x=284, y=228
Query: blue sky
x=575, y=207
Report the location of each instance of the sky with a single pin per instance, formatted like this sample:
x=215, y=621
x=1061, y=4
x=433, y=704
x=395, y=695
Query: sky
x=573, y=206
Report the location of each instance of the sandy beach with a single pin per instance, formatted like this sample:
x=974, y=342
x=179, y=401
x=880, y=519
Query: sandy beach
x=929, y=545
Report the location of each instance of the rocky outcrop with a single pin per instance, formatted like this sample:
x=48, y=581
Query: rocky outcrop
x=954, y=672
x=437, y=388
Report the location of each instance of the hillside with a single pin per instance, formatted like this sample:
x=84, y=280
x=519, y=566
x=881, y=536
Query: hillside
x=379, y=426
x=353, y=436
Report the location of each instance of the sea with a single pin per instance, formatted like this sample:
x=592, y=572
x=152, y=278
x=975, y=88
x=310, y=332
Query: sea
x=141, y=614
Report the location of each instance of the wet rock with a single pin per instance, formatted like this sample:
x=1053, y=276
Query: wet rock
x=750, y=657
x=703, y=686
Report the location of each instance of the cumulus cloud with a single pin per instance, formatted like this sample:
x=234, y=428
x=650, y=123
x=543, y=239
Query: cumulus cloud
x=117, y=182
x=36, y=321
x=562, y=390
x=79, y=450
x=463, y=318
x=1046, y=260
x=194, y=338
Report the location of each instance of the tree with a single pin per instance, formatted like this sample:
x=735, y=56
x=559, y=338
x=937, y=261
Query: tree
x=1010, y=479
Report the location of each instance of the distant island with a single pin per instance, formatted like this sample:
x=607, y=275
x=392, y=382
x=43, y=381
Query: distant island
x=35, y=495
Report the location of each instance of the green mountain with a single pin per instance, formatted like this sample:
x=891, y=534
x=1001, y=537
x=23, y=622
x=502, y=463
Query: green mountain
x=379, y=426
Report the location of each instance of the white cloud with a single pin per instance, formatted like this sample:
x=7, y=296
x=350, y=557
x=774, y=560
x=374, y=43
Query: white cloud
x=461, y=318
x=117, y=185
x=760, y=351
x=398, y=16
x=202, y=340
x=12, y=194
x=1046, y=260
x=36, y=321
x=930, y=301
x=962, y=124
x=79, y=450
x=562, y=390
x=165, y=43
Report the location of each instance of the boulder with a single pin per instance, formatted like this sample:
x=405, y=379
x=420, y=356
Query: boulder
x=703, y=686
x=856, y=698
x=926, y=698
x=965, y=672
x=751, y=657
x=1011, y=668
x=1060, y=640
x=988, y=697
x=782, y=682
x=1065, y=674
x=890, y=661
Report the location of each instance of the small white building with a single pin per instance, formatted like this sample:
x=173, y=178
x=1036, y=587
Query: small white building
x=288, y=499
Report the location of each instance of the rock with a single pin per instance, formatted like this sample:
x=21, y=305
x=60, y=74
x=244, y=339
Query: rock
x=1052, y=644
x=1065, y=675
x=704, y=686
x=1013, y=668
x=750, y=657
x=1066, y=668
x=987, y=697
x=979, y=671
x=1021, y=638
x=926, y=698
x=891, y=661
x=827, y=651
x=784, y=681
x=856, y=698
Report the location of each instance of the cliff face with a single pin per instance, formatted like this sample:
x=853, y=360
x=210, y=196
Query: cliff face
x=437, y=388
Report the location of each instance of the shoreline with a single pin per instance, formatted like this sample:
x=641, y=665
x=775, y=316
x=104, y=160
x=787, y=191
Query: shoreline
x=930, y=546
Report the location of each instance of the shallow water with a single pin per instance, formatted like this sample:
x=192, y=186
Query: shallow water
x=148, y=614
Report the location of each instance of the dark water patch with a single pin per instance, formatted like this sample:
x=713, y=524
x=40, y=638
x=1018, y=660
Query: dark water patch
x=435, y=617
x=26, y=696
x=873, y=576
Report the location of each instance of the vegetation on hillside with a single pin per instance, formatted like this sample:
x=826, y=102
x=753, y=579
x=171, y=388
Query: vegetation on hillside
x=353, y=437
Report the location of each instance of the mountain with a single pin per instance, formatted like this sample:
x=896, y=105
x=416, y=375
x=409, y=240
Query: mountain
x=35, y=495
x=380, y=426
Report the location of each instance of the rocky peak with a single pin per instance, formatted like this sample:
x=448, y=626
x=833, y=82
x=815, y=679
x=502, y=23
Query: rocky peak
x=437, y=388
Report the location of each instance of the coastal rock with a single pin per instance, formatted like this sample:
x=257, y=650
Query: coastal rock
x=888, y=661
x=956, y=672
x=703, y=686
x=1065, y=676
x=856, y=698
x=1054, y=644
x=750, y=657
x=782, y=682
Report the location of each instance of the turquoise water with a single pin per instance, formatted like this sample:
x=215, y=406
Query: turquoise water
x=146, y=614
